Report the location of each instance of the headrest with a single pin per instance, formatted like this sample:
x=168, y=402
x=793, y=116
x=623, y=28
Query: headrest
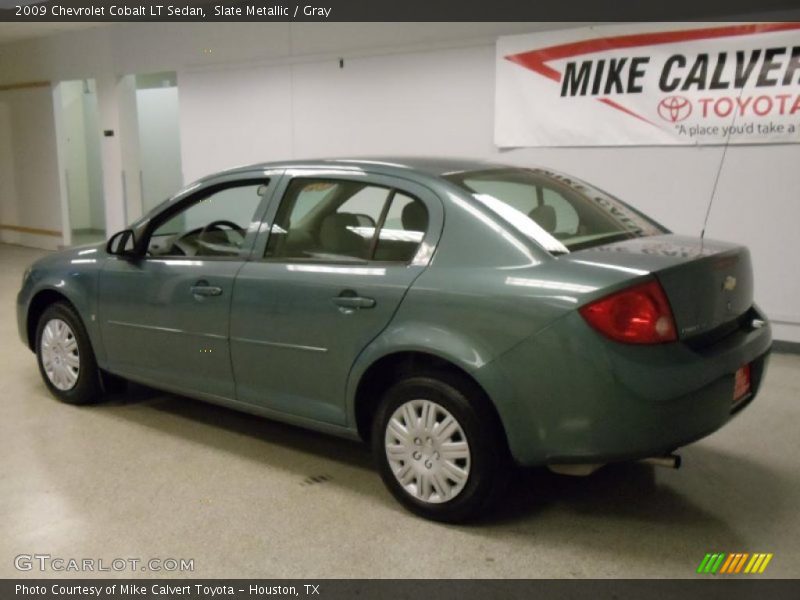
x=335, y=236
x=414, y=217
x=545, y=217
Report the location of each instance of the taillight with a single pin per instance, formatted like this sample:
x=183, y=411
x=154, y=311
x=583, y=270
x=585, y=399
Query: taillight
x=637, y=315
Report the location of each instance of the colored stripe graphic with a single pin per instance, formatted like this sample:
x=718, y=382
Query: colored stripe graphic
x=754, y=563
x=734, y=563
x=735, y=556
x=766, y=562
x=717, y=563
x=727, y=564
x=741, y=562
x=711, y=563
x=703, y=563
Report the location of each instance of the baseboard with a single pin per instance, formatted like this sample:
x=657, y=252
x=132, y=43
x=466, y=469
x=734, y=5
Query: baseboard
x=31, y=240
x=786, y=347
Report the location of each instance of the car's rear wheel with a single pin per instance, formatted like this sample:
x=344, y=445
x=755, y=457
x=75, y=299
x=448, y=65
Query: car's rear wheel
x=439, y=448
x=65, y=356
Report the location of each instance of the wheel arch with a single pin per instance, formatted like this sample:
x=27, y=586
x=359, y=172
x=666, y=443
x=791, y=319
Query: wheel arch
x=389, y=368
x=36, y=307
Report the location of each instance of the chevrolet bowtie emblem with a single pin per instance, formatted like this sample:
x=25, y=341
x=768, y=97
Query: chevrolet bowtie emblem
x=729, y=284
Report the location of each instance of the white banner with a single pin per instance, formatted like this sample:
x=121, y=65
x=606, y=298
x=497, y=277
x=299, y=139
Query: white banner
x=650, y=85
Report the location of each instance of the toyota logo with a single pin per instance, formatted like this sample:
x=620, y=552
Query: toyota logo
x=674, y=108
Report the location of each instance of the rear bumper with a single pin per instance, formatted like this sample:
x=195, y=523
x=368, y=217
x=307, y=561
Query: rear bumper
x=658, y=430
x=571, y=396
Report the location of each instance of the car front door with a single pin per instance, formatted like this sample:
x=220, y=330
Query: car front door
x=341, y=253
x=164, y=316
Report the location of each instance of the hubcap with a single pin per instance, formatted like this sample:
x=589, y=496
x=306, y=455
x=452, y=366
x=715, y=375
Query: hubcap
x=427, y=451
x=60, y=357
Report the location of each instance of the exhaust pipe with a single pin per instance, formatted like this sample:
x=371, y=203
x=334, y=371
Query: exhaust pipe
x=672, y=461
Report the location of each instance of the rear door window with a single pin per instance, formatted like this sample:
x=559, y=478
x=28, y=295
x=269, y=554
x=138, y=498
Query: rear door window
x=344, y=221
x=403, y=229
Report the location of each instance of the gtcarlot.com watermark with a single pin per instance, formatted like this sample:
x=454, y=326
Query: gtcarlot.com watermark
x=47, y=563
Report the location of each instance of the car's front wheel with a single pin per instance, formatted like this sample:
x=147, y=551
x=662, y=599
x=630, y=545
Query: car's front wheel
x=438, y=447
x=65, y=356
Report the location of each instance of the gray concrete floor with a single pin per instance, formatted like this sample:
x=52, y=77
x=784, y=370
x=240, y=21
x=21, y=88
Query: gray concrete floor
x=149, y=474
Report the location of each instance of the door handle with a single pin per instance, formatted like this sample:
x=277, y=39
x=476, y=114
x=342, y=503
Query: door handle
x=202, y=288
x=348, y=299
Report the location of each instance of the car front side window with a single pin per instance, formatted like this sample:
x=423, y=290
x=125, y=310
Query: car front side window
x=215, y=223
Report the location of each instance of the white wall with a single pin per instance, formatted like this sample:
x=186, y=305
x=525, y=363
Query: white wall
x=255, y=121
x=159, y=144
x=276, y=91
x=152, y=47
x=28, y=165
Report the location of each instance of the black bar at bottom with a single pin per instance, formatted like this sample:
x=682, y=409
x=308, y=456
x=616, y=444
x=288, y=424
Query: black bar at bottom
x=707, y=587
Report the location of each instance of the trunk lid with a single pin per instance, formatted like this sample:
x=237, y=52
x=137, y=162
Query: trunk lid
x=708, y=283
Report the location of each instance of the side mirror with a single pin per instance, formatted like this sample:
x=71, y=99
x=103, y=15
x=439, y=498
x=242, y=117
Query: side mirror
x=121, y=243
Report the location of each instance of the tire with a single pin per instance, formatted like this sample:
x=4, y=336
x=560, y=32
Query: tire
x=65, y=356
x=473, y=442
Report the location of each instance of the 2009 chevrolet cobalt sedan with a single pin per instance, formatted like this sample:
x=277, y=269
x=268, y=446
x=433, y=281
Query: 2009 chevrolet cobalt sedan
x=460, y=316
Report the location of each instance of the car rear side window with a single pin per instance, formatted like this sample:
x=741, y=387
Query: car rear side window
x=403, y=229
x=343, y=221
x=561, y=213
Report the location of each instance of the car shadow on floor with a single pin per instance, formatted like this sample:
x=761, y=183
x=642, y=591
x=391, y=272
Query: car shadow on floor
x=346, y=451
x=538, y=502
x=629, y=490
x=655, y=517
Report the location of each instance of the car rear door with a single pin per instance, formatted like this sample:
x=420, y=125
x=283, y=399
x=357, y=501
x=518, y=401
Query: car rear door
x=164, y=317
x=320, y=285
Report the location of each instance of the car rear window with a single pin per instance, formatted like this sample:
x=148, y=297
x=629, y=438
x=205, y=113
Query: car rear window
x=559, y=212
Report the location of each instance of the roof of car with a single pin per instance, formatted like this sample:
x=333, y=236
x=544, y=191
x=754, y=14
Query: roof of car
x=436, y=166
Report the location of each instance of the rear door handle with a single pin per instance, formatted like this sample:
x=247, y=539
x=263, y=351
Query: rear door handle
x=201, y=288
x=349, y=299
